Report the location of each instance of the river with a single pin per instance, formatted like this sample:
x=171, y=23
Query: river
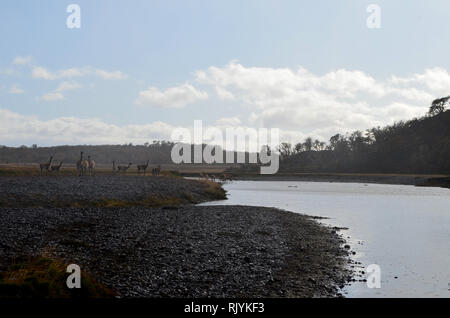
x=403, y=229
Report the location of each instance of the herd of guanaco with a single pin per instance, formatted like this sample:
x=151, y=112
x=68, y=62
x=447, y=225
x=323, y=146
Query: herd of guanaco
x=87, y=167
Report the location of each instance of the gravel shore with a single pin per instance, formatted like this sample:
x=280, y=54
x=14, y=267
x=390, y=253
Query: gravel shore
x=220, y=251
x=179, y=251
x=104, y=190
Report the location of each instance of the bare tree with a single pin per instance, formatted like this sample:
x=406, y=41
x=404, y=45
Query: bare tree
x=285, y=149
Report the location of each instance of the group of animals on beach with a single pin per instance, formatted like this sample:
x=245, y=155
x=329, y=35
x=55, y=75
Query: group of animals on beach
x=87, y=167
x=141, y=168
x=84, y=166
x=47, y=166
x=222, y=177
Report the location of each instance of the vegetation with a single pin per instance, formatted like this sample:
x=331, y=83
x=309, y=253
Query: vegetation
x=214, y=190
x=417, y=146
x=41, y=277
x=158, y=152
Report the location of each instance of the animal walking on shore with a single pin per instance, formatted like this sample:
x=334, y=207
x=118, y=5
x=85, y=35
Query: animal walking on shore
x=143, y=167
x=123, y=168
x=91, y=166
x=206, y=176
x=226, y=177
x=84, y=167
x=46, y=165
x=57, y=168
x=156, y=171
x=80, y=165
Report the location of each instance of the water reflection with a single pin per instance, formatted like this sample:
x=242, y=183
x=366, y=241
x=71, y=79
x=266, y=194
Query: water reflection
x=404, y=229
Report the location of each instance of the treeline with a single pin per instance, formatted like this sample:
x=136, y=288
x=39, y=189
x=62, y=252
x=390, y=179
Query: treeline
x=420, y=145
x=158, y=152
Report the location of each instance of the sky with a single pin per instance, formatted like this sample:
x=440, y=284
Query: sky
x=136, y=70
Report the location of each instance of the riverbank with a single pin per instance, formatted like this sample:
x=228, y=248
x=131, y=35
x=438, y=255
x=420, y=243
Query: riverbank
x=189, y=251
x=416, y=180
x=173, y=250
x=105, y=191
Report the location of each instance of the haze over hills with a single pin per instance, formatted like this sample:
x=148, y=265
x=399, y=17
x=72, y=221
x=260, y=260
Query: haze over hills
x=420, y=145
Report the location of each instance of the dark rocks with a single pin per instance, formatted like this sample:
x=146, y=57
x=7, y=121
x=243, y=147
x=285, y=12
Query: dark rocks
x=131, y=251
x=103, y=190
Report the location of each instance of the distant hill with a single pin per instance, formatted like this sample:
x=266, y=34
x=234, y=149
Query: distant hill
x=420, y=145
x=157, y=153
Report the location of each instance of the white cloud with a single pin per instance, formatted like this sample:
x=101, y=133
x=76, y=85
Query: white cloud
x=52, y=96
x=223, y=93
x=67, y=86
x=303, y=103
x=435, y=80
x=57, y=94
x=116, y=75
x=16, y=128
x=16, y=90
x=174, y=97
x=299, y=102
x=228, y=122
x=40, y=72
x=22, y=60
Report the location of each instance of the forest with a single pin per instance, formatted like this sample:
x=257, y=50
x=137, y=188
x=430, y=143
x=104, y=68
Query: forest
x=157, y=152
x=420, y=145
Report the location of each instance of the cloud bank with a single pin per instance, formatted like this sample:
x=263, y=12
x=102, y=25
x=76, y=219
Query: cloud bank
x=173, y=97
x=299, y=102
x=321, y=105
x=15, y=127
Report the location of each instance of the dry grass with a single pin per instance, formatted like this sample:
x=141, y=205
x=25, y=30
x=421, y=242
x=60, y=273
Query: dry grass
x=173, y=170
x=214, y=189
x=42, y=277
x=70, y=169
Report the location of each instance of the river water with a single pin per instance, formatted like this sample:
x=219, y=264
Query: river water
x=403, y=229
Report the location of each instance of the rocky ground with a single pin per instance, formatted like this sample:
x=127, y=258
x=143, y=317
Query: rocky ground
x=179, y=251
x=103, y=190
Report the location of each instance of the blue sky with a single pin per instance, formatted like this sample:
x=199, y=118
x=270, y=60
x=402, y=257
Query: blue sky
x=130, y=54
